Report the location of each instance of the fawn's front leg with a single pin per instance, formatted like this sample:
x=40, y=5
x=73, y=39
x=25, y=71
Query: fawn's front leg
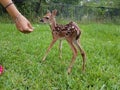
x=50, y=46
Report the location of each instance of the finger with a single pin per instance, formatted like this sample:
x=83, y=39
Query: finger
x=25, y=32
x=19, y=28
x=30, y=26
x=28, y=30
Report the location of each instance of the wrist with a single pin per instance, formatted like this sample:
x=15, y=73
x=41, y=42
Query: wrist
x=16, y=18
x=8, y=5
x=12, y=10
x=5, y=2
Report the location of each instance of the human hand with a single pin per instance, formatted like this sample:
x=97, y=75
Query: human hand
x=23, y=25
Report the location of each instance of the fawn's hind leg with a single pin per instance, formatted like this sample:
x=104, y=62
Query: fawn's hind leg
x=60, y=49
x=77, y=43
x=74, y=50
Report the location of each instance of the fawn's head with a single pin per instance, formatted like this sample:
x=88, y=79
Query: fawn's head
x=49, y=17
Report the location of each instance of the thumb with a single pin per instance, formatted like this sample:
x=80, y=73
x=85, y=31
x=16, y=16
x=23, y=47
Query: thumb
x=30, y=26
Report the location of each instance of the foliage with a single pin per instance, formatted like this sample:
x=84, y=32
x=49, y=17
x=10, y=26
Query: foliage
x=67, y=1
x=21, y=57
x=80, y=10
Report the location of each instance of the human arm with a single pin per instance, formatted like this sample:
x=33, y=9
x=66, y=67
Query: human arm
x=21, y=22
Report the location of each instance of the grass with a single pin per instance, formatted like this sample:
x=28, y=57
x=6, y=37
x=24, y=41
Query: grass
x=21, y=55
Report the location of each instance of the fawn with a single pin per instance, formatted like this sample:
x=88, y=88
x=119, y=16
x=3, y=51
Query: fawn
x=70, y=32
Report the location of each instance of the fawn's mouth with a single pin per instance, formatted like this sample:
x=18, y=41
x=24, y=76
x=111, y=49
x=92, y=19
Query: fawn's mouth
x=41, y=20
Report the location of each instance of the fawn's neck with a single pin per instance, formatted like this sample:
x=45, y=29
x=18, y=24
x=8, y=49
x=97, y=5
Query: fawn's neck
x=53, y=24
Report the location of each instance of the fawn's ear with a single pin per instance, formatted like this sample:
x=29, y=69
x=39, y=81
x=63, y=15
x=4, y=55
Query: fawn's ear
x=48, y=11
x=54, y=12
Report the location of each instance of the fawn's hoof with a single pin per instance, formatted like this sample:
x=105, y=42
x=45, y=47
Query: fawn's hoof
x=83, y=68
x=43, y=59
x=69, y=71
x=60, y=57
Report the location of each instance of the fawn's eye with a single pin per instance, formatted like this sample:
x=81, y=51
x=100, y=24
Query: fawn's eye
x=46, y=17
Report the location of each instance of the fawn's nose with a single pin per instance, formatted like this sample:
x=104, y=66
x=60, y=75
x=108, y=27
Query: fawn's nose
x=41, y=20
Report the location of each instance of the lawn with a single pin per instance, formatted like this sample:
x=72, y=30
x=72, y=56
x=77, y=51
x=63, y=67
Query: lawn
x=21, y=55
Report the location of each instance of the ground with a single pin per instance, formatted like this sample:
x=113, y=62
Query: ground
x=21, y=55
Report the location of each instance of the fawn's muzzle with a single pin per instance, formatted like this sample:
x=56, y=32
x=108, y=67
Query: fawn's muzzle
x=41, y=20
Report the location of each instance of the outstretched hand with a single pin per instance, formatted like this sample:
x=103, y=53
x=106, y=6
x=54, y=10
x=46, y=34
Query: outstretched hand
x=23, y=25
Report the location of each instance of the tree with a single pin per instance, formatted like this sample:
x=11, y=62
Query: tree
x=67, y=1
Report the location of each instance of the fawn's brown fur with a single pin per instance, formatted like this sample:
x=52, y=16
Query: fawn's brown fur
x=70, y=32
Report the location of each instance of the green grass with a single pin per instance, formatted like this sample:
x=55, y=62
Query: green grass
x=21, y=55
